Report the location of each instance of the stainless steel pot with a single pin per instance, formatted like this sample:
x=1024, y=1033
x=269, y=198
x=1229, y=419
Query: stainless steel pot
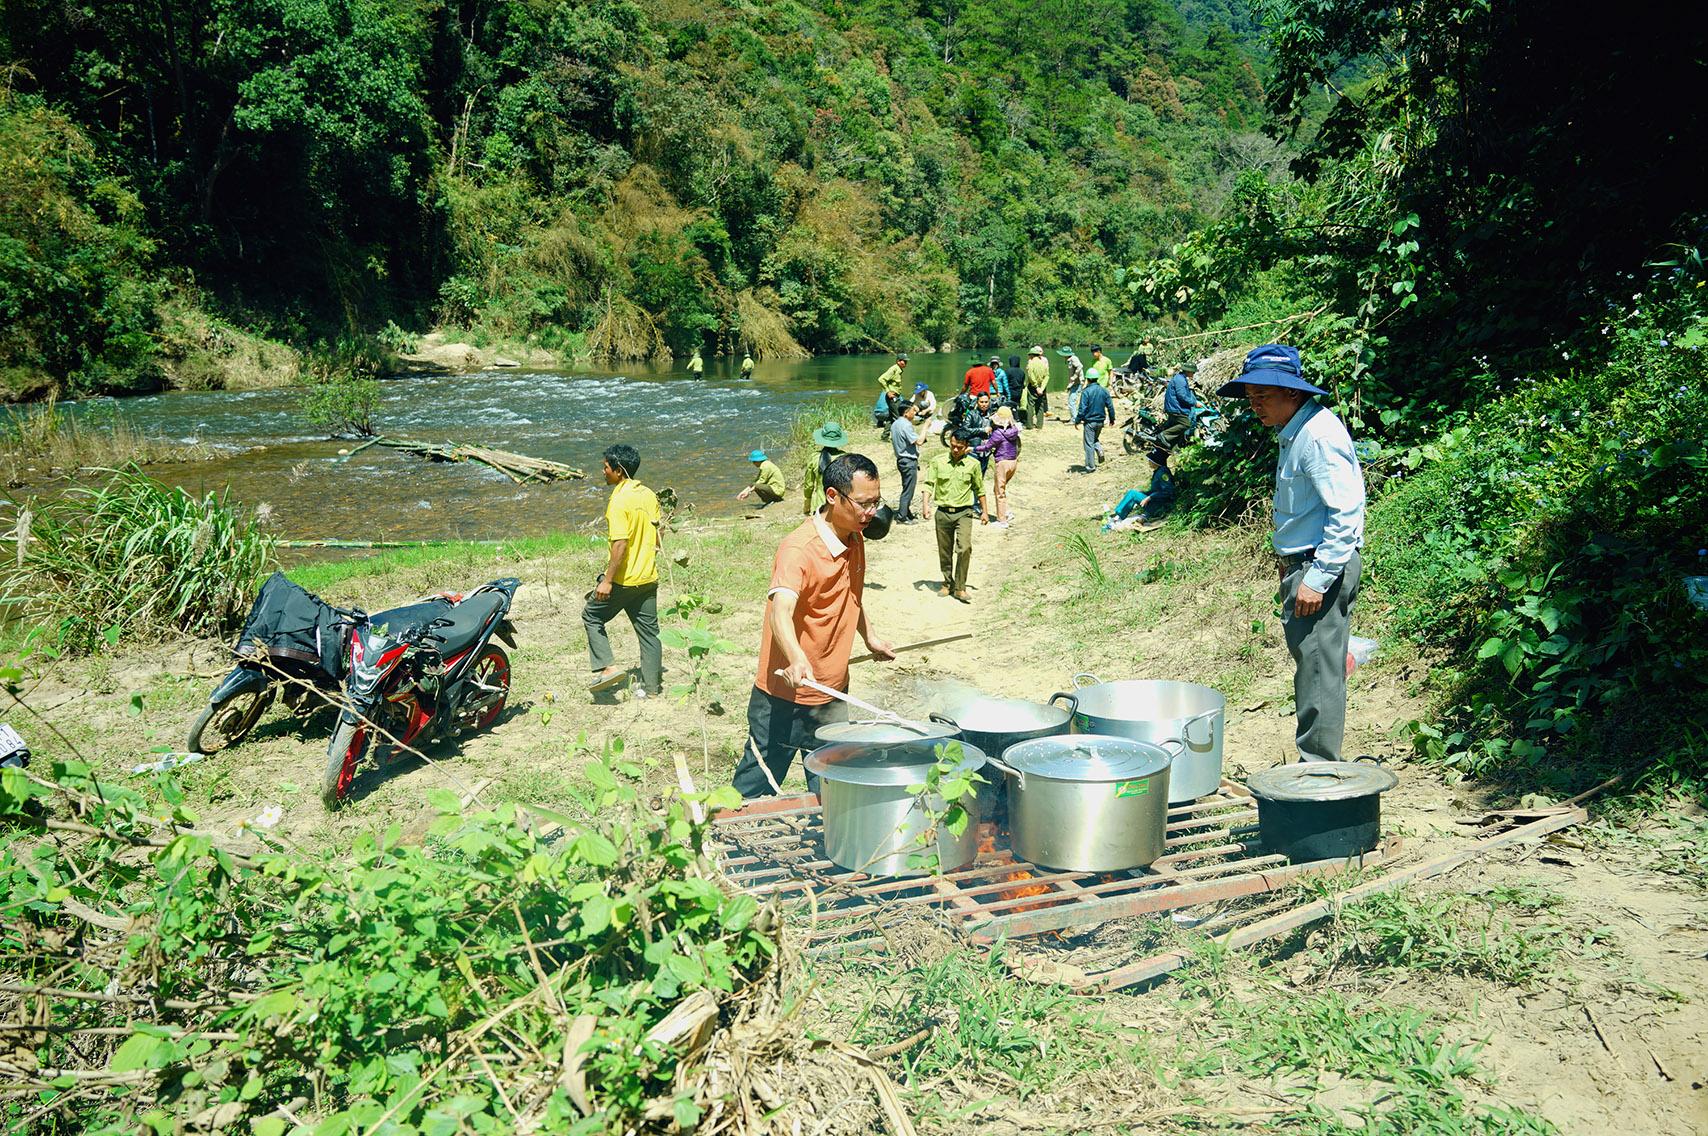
x=1155, y=710
x=880, y=732
x=994, y=724
x=875, y=823
x=1088, y=802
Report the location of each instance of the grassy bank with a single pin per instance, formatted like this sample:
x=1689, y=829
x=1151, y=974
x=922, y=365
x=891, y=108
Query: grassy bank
x=41, y=440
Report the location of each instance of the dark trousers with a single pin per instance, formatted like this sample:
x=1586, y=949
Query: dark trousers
x=1318, y=646
x=777, y=730
x=909, y=471
x=1039, y=402
x=766, y=495
x=640, y=604
x=955, y=545
x=1173, y=432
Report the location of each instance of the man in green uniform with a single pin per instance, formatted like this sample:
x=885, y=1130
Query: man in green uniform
x=1037, y=388
x=891, y=381
x=831, y=439
x=767, y=480
x=954, y=486
x=696, y=365
x=747, y=365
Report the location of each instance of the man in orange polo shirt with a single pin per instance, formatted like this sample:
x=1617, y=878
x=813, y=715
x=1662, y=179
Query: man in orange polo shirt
x=812, y=612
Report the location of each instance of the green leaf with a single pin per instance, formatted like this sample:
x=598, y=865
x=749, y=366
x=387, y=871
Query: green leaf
x=268, y=1126
x=136, y=1053
x=1491, y=648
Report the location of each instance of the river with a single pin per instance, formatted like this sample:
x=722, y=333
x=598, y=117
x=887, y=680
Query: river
x=693, y=435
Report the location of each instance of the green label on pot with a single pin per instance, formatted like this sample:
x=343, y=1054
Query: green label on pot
x=1139, y=788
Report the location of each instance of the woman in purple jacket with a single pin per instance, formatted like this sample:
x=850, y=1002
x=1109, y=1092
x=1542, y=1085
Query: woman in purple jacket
x=1004, y=445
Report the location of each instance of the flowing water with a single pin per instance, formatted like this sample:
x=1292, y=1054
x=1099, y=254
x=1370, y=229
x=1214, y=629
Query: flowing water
x=693, y=436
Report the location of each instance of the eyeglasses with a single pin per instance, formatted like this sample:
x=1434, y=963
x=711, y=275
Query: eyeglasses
x=871, y=506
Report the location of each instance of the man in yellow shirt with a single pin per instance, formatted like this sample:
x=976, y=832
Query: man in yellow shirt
x=629, y=583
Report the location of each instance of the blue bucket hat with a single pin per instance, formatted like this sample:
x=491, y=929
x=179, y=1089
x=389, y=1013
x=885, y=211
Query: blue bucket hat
x=756, y=456
x=1272, y=365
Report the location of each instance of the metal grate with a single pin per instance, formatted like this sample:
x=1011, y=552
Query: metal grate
x=774, y=848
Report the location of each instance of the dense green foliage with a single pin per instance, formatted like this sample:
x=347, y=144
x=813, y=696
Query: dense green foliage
x=389, y=985
x=635, y=176
x=1485, y=251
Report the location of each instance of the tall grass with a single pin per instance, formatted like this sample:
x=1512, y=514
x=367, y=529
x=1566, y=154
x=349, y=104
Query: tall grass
x=853, y=414
x=43, y=438
x=132, y=557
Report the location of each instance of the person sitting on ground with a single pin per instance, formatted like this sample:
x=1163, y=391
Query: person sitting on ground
x=813, y=610
x=1151, y=505
x=978, y=379
x=629, y=583
x=1004, y=446
x=926, y=421
x=831, y=440
x=767, y=484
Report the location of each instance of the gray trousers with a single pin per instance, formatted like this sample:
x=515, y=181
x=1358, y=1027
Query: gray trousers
x=1318, y=646
x=640, y=604
x=777, y=730
x=1091, y=432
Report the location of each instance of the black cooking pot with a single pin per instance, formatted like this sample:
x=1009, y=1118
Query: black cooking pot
x=1320, y=810
x=994, y=724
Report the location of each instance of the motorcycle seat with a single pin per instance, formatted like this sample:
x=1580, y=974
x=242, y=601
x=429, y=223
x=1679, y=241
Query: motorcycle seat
x=461, y=626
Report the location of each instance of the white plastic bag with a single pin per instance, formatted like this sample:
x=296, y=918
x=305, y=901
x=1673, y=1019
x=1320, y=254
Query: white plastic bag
x=1359, y=651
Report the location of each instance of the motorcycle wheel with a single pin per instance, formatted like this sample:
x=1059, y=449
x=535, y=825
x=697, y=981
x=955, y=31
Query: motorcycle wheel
x=343, y=757
x=225, y=723
x=1130, y=441
x=491, y=672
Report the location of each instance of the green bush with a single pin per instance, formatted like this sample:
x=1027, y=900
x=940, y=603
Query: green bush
x=133, y=557
x=340, y=389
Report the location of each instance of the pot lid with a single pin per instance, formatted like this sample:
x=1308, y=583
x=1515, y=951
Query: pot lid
x=1087, y=757
x=897, y=763
x=1321, y=781
x=881, y=732
x=1007, y=716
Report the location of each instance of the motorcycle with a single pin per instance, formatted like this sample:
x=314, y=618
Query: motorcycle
x=420, y=671
x=292, y=638
x=1142, y=431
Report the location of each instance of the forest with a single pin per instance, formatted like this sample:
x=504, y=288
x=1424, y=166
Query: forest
x=614, y=178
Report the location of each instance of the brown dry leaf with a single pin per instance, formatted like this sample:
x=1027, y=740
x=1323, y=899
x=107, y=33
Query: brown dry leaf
x=573, y=1078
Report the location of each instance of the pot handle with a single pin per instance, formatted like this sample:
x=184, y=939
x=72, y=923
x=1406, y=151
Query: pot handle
x=1073, y=701
x=1019, y=774
x=1077, y=685
x=943, y=721
x=1176, y=756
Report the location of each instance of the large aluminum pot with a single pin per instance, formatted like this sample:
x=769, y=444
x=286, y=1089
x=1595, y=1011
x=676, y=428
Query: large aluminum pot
x=874, y=823
x=1088, y=802
x=994, y=724
x=883, y=732
x=1155, y=710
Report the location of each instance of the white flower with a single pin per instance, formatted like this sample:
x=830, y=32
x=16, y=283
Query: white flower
x=268, y=817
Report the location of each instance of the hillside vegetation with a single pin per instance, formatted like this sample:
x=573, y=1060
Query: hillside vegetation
x=628, y=178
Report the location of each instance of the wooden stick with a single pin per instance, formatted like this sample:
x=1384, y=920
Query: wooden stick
x=868, y=656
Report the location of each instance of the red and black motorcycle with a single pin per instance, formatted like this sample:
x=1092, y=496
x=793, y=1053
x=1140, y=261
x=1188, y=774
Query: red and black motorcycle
x=420, y=671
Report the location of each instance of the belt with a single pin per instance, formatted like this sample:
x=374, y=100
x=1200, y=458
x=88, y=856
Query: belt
x=955, y=508
x=1292, y=560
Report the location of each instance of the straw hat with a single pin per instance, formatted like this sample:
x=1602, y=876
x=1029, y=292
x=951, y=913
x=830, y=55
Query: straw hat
x=1003, y=416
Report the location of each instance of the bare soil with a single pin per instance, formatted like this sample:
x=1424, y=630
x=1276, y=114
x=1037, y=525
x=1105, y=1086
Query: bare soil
x=1615, y=1042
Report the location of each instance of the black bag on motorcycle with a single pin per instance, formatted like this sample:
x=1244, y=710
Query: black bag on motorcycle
x=294, y=623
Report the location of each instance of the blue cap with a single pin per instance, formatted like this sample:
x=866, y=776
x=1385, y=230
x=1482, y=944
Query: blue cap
x=756, y=456
x=917, y=387
x=1272, y=365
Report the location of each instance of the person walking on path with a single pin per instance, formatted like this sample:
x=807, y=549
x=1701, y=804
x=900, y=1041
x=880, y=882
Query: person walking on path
x=831, y=440
x=955, y=488
x=747, y=365
x=905, y=440
x=1319, y=528
x=1178, y=402
x=813, y=610
x=696, y=365
x=768, y=483
x=1037, y=387
x=629, y=583
x=1003, y=445
x=978, y=379
x=1096, y=409
x=1076, y=381
x=1151, y=504
x=891, y=383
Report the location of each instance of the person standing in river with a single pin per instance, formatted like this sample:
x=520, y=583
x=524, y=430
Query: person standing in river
x=813, y=609
x=1037, y=387
x=1319, y=528
x=629, y=583
x=747, y=365
x=696, y=365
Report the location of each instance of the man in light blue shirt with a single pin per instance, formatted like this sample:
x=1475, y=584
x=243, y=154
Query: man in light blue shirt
x=1319, y=527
